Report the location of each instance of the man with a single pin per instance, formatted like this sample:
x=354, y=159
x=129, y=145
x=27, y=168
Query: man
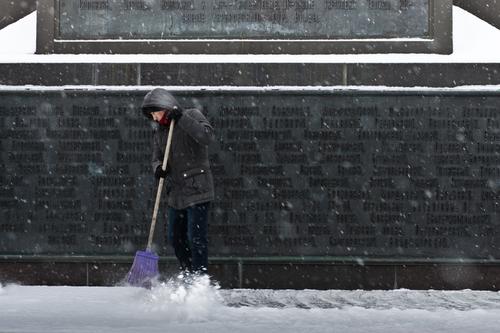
x=189, y=179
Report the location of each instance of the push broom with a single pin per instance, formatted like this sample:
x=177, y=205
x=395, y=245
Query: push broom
x=145, y=266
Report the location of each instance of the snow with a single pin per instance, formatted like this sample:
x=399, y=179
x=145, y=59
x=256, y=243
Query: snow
x=465, y=88
x=19, y=37
x=475, y=41
x=202, y=307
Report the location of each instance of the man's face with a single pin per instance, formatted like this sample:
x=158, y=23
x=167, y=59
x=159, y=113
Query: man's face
x=158, y=115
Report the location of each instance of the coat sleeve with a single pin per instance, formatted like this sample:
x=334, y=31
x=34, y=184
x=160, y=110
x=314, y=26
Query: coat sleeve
x=194, y=123
x=157, y=155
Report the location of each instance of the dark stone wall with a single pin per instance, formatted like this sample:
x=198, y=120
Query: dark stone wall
x=385, y=175
x=257, y=272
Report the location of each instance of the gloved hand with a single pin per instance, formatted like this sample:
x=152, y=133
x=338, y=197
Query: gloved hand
x=175, y=113
x=160, y=173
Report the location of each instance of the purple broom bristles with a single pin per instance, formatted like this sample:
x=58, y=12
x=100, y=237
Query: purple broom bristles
x=144, y=269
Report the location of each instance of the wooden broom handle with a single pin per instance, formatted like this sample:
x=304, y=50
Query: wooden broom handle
x=160, y=186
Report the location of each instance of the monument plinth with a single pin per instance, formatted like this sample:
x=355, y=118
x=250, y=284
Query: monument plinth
x=245, y=26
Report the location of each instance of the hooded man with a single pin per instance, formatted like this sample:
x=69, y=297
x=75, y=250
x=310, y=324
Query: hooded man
x=190, y=186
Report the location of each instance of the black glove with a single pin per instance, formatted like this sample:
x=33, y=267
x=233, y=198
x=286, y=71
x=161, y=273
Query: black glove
x=160, y=173
x=175, y=113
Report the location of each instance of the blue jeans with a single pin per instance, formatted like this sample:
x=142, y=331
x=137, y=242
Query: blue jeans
x=187, y=232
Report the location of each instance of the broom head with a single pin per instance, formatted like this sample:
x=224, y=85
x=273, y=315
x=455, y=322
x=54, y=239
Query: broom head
x=144, y=269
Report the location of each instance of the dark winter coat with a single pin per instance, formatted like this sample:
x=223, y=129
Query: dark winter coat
x=190, y=177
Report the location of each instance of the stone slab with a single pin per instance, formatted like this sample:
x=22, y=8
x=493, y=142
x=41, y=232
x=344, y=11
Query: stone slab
x=423, y=75
x=47, y=74
x=250, y=74
x=298, y=173
x=241, y=19
x=242, y=74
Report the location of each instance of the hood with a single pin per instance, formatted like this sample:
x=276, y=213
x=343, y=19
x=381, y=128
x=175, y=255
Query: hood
x=160, y=98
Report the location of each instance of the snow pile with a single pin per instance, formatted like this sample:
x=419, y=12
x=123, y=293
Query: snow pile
x=180, y=301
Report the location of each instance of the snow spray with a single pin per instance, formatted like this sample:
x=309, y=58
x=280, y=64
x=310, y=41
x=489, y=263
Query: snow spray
x=191, y=299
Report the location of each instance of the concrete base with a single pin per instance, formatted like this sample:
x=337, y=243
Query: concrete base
x=257, y=274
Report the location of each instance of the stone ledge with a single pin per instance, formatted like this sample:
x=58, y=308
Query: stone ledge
x=247, y=74
x=270, y=275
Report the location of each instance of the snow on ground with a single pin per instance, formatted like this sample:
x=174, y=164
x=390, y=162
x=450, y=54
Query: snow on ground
x=475, y=41
x=202, y=307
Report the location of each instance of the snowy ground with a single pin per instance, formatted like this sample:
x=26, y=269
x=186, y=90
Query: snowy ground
x=204, y=308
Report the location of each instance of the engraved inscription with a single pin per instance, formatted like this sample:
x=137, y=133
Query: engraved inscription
x=296, y=174
x=243, y=19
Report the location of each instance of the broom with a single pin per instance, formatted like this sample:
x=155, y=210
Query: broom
x=145, y=266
